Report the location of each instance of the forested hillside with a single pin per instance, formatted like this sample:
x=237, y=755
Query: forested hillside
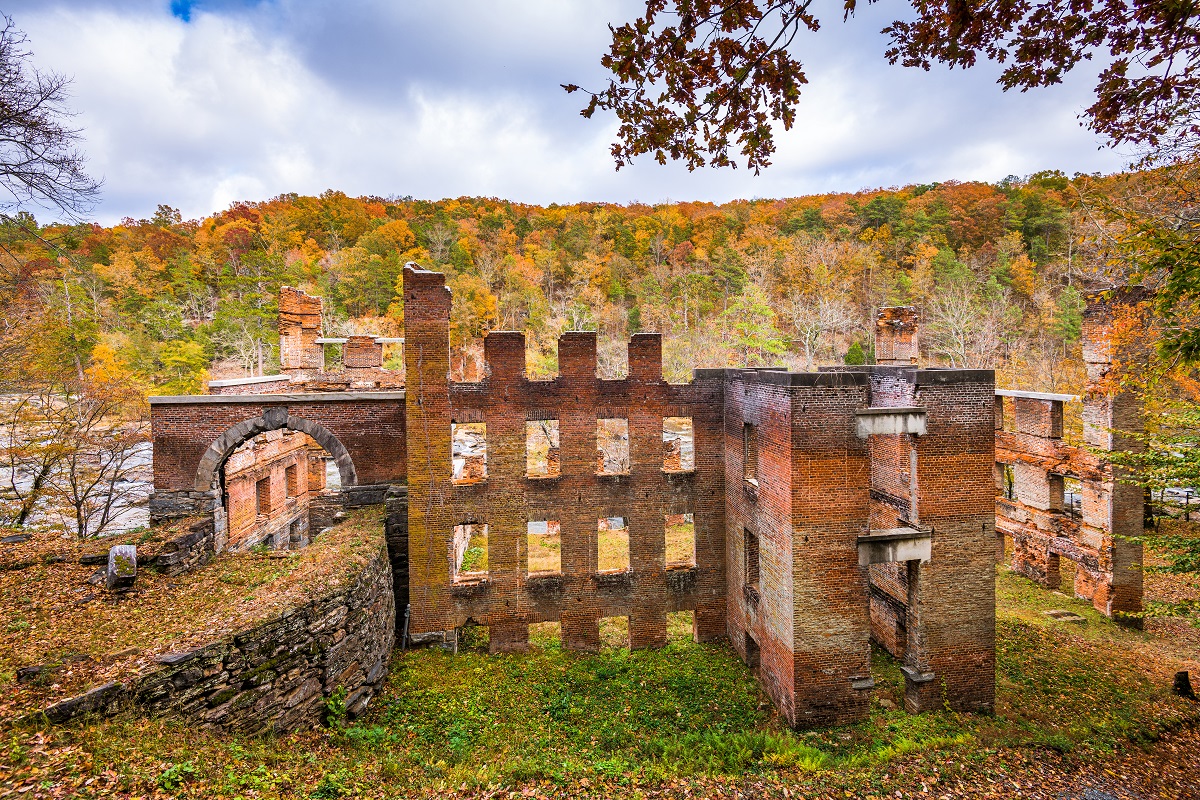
x=997, y=271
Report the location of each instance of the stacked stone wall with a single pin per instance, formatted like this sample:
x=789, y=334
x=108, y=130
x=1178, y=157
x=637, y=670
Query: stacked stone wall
x=278, y=675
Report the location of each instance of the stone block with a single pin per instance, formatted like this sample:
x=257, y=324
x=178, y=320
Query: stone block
x=122, y=568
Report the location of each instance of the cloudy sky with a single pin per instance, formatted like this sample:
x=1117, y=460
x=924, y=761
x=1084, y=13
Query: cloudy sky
x=198, y=103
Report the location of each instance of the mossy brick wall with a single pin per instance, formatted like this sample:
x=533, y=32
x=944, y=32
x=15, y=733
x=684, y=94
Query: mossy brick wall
x=275, y=676
x=509, y=599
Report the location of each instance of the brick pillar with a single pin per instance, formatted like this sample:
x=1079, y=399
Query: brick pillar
x=708, y=431
x=1112, y=322
x=299, y=328
x=504, y=354
x=577, y=437
x=427, y=410
x=896, y=336
x=830, y=493
x=950, y=655
x=646, y=514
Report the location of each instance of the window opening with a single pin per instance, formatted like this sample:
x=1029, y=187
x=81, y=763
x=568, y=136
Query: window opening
x=1056, y=492
x=612, y=447
x=546, y=635
x=292, y=474
x=612, y=545
x=470, y=551
x=614, y=632
x=681, y=540
x=681, y=626
x=262, y=491
x=1010, y=483
x=1072, y=496
x=752, y=652
x=542, y=449
x=750, y=545
x=750, y=453
x=679, y=446
x=468, y=452
x=544, y=540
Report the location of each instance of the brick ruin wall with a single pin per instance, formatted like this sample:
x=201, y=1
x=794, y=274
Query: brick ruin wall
x=800, y=615
x=270, y=483
x=194, y=435
x=896, y=342
x=816, y=489
x=508, y=599
x=1034, y=465
x=302, y=351
x=815, y=493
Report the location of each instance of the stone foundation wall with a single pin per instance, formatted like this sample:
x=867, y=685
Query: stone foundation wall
x=278, y=675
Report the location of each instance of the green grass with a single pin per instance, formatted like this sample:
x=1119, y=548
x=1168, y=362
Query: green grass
x=687, y=712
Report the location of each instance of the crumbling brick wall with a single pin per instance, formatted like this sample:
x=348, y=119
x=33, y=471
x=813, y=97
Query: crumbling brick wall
x=1033, y=463
x=292, y=467
x=896, y=341
x=299, y=329
x=302, y=353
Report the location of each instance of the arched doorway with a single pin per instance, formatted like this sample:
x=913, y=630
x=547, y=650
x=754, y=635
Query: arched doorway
x=278, y=480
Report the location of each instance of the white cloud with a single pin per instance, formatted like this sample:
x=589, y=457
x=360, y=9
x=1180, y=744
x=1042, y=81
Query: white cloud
x=440, y=101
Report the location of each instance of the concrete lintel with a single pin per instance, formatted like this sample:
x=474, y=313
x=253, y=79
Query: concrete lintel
x=894, y=544
x=882, y=421
x=1061, y=398
x=915, y=675
x=248, y=381
x=331, y=340
x=266, y=399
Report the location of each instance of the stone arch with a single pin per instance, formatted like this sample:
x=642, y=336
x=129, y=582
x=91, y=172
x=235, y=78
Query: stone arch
x=272, y=419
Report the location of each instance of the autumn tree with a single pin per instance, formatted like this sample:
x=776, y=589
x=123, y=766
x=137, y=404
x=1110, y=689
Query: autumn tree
x=692, y=79
x=70, y=450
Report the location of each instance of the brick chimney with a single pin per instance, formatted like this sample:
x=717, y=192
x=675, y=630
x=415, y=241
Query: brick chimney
x=896, y=336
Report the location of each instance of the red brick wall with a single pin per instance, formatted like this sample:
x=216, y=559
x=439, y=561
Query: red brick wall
x=362, y=352
x=951, y=625
x=268, y=456
x=1108, y=565
x=371, y=430
x=508, y=600
x=299, y=328
x=896, y=336
x=831, y=504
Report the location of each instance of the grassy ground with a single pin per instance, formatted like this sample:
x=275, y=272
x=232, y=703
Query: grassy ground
x=1079, y=707
x=50, y=615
